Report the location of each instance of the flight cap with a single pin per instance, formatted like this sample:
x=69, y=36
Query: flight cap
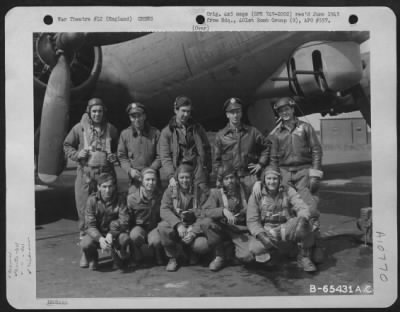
x=283, y=102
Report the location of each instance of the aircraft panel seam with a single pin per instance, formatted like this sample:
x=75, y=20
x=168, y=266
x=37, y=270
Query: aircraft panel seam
x=186, y=61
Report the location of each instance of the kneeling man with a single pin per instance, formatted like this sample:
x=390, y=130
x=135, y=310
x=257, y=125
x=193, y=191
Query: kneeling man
x=103, y=211
x=280, y=215
x=226, y=207
x=144, y=215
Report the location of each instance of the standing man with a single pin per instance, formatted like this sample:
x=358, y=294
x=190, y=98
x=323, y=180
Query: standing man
x=241, y=145
x=137, y=147
x=297, y=151
x=184, y=141
x=92, y=143
x=106, y=214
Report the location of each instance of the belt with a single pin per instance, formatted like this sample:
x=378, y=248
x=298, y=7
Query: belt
x=295, y=168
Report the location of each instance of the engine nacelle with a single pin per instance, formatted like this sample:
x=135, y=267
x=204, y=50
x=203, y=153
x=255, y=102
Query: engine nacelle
x=314, y=68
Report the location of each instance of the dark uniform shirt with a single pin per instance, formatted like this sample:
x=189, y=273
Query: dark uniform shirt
x=139, y=150
x=100, y=214
x=240, y=147
x=187, y=146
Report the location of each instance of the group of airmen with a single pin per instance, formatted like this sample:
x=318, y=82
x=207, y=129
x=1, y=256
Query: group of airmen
x=266, y=189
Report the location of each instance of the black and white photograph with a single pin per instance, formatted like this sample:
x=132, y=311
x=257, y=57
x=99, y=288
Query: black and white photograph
x=176, y=164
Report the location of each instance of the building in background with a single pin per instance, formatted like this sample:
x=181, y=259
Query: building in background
x=345, y=138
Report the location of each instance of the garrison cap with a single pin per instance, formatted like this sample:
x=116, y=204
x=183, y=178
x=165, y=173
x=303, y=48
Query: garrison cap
x=232, y=103
x=182, y=101
x=135, y=107
x=283, y=102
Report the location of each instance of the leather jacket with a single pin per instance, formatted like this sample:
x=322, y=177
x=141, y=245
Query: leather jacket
x=241, y=148
x=295, y=147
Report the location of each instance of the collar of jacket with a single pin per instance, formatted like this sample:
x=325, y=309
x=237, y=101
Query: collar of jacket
x=228, y=128
x=236, y=191
x=87, y=122
x=295, y=125
x=173, y=124
x=145, y=132
x=281, y=190
x=140, y=195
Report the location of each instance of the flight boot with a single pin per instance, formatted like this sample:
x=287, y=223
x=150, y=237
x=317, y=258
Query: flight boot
x=93, y=262
x=172, y=265
x=83, y=263
x=217, y=264
x=304, y=260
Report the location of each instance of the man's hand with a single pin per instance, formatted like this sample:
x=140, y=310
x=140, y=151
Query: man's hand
x=189, y=237
x=104, y=245
x=182, y=230
x=257, y=189
x=254, y=168
x=83, y=153
x=109, y=238
x=172, y=182
x=229, y=216
x=135, y=174
x=315, y=183
x=112, y=158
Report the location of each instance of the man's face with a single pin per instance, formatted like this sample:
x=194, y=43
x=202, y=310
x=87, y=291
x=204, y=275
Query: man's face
x=286, y=112
x=234, y=116
x=184, y=180
x=137, y=119
x=149, y=182
x=229, y=181
x=107, y=190
x=183, y=114
x=97, y=113
x=271, y=182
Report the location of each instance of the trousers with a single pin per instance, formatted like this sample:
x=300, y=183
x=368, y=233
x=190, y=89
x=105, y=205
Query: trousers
x=89, y=245
x=170, y=240
x=217, y=233
x=300, y=180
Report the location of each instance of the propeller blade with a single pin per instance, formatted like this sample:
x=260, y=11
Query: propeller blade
x=54, y=122
x=100, y=39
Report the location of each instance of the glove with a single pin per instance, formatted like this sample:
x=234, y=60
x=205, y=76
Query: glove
x=314, y=184
x=266, y=241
